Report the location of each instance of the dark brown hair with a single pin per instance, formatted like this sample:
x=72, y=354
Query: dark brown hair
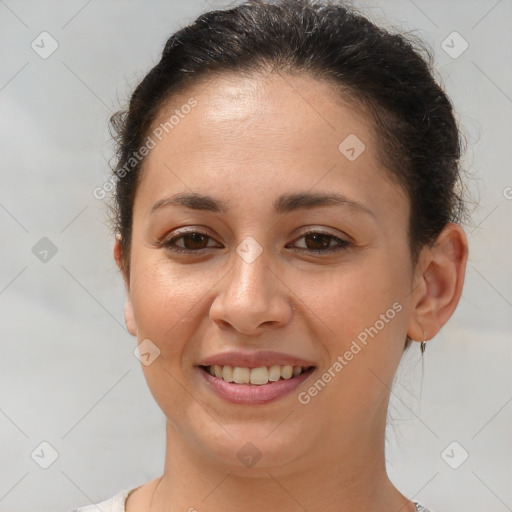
x=389, y=74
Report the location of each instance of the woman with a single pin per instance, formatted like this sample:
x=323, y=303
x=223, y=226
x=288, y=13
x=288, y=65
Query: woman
x=287, y=218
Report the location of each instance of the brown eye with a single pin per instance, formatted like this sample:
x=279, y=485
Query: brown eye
x=319, y=242
x=315, y=242
x=193, y=241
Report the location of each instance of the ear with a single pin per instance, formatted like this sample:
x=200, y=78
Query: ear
x=438, y=283
x=129, y=316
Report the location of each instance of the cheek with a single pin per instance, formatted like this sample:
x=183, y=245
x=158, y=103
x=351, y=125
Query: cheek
x=165, y=298
x=363, y=315
x=352, y=297
x=166, y=301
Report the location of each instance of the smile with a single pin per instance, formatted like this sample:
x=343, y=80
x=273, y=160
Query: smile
x=256, y=376
x=251, y=386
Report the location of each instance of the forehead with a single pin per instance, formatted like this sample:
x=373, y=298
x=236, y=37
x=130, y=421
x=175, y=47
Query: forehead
x=254, y=136
x=261, y=107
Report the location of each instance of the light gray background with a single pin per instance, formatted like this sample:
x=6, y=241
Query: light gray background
x=67, y=369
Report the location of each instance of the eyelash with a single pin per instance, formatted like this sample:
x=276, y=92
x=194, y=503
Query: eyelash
x=343, y=244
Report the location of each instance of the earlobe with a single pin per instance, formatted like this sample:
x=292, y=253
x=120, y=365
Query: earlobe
x=439, y=289
x=129, y=317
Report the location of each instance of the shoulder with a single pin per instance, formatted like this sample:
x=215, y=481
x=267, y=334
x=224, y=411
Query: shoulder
x=117, y=504
x=421, y=508
x=114, y=504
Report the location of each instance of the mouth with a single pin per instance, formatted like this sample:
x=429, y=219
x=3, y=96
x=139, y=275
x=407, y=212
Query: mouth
x=251, y=386
x=255, y=376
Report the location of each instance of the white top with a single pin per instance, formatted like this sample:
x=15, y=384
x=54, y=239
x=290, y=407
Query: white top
x=117, y=502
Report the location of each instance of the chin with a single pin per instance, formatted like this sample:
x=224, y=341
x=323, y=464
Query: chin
x=254, y=449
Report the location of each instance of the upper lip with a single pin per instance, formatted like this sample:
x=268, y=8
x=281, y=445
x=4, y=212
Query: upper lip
x=254, y=359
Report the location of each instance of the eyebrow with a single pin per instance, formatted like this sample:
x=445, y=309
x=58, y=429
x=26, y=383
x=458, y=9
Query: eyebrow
x=283, y=204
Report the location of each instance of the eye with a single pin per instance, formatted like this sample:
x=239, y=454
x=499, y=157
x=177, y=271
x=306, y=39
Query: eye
x=195, y=241
x=320, y=242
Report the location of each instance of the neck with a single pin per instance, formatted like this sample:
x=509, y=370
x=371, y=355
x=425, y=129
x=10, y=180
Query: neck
x=349, y=478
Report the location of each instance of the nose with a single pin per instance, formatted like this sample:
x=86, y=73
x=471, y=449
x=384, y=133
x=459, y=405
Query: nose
x=252, y=298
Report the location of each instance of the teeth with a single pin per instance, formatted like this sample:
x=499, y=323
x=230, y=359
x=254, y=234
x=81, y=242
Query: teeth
x=257, y=376
x=227, y=373
x=286, y=372
x=274, y=373
x=241, y=375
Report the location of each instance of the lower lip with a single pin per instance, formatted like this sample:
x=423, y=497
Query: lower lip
x=251, y=393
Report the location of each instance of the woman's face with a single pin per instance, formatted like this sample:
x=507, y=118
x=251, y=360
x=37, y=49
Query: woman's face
x=256, y=153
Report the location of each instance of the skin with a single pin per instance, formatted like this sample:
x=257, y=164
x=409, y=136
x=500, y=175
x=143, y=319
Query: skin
x=246, y=142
